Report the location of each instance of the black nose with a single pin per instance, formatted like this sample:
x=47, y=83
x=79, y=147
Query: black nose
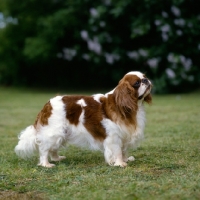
x=145, y=81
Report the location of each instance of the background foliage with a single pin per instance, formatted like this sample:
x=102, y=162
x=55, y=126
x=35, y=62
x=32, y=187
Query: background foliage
x=85, y=43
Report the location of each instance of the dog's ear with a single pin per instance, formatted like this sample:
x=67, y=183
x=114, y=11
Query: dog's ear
x=148, y=99
x=126, y=98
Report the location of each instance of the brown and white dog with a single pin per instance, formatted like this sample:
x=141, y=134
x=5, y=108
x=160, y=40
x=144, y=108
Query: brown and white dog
x=111, y=123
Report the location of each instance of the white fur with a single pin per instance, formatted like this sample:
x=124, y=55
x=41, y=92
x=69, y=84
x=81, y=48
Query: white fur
x=111, y=92
x=97, y=97
x=121, y=137
x=27, y=143
x=82, y=103
x=139, y=74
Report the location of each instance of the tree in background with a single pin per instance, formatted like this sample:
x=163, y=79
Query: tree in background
x=86, y=43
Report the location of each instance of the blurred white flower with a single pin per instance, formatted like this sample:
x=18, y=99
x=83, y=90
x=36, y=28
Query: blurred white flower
x=164, y=14
x=171, y=58
x=165, y=36
x=179, y=32
x=179, y=22
x=102, y=24
x=6, y=20
x=153, y=62
x=176, y=11
x=94, y=45
x=138, y=31
x=108, y=37
x=170, y=73
x=107, y=2
x=165, y=28
x=133, y=55
x=2, y=24
x=86, y=56
x=143, y=52
x=94, y=12
x=69, y=53
x=182, y=58
x=186, y=62
x=157, y=22
x=110, y=58
x=84, y=34
x=1, y=16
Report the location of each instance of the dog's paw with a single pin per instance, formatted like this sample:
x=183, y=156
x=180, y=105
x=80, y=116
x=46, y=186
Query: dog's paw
x=131, y=158
x=48, y=165
x=120, y=164
x=58, y=158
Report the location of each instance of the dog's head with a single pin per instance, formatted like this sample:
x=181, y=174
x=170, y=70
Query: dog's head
x=133, y=89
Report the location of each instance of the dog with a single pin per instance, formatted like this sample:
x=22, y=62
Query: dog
x=111, y=122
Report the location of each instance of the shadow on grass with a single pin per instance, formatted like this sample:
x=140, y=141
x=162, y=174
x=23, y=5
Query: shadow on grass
x=84, y=157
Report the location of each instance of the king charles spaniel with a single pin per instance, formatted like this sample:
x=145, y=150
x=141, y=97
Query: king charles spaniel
x=111, y=123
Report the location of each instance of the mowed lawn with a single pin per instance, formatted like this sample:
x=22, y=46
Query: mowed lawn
x=167, y=164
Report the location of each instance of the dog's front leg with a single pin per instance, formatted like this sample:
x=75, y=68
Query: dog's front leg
x=113, y=151
x=44, y=153
x=119, y=161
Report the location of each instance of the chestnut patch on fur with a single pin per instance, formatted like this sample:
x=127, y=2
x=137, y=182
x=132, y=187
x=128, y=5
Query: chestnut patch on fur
x=73, y=110
x=44, y=115
x=92, y=114
x=93, y=118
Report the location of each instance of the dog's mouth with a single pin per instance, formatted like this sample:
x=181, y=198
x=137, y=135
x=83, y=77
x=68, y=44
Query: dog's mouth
x=147, y=91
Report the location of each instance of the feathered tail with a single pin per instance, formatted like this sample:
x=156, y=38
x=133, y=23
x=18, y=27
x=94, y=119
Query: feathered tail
x=27, y=146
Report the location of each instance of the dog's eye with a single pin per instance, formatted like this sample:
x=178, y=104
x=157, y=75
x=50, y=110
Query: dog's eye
x=136, y=84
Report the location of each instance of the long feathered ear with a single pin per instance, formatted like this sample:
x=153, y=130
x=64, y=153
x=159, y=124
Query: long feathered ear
x=148, y=99
x=126, y=99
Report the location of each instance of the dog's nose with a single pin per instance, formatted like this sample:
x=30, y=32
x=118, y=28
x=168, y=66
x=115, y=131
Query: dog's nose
x=145, y=81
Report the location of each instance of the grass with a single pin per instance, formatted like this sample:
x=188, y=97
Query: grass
x=166, y=167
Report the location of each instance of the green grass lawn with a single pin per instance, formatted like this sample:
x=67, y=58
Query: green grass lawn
x=167, y=164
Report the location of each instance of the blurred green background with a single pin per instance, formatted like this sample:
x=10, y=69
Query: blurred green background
x=92, y=44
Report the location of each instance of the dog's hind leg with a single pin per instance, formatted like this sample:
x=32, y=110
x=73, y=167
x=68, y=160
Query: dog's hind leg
x=48, y=144
x=44, y=153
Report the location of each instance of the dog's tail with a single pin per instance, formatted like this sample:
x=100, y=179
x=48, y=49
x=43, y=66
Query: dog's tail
x=27, y=145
